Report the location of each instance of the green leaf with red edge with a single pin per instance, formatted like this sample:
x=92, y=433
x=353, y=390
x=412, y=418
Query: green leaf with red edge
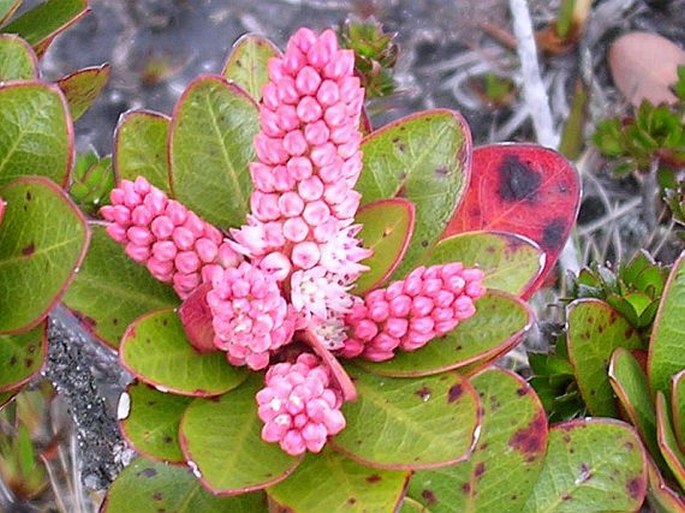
x=150, y=487
x=594, y=331
x=524, y=189
x=42, y=230
x=150, y=419
x=409, y=423
x=661, y=498
x=629, y=382
x=222, y=437
x=666, y=355
x=593, y=466
x=246, y=64
x=155, y=350
x=37, y=135
x=511, y=262
x=22, y=357
x=211, y=134
x=341, y=484
x=509, y=455
x=110, y=290
x=498, y=324
x=18, y=61
x=8, y=8
x=40, y=25
x=140, y=147
x=678, y=406
x=387, y=227
x=665, y=437
x=81, y=88
x=426, y=159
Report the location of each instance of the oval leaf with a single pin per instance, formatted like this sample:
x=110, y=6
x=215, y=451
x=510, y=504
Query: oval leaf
x=246, y=65
x=661, y=498
x=140, y=147
x=678, y=406
x=426, y=159
x=111, y=290
x=512, y=443
x=341, y=484
x=22, y=357
x=149, y=487
x=511, y=262
x=499, y=323
x=595, y=330
x=211, y=136
x=17, y=59
x=37, y=132
x=156, y=351
x=41, y=230
x=223, y=439
x=666, y=356
x=409, y=424
x=387, y=227
x=524, y=189
x=82, y=88
x=594, y=465
x=675, y=459
x=152, y=421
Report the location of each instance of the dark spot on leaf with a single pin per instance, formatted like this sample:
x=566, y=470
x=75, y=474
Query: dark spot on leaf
x=402, y=175
x=401, y=147
x=629, y=446
x=466, y=488
x=636, y=488
x=429, y=497
x=566, y=439
x=585, y=474
x=424, y=243
x=480, y=468
x=553, y=234
x=531, y=439
x=562, y=188
x=373, y=478
x=514, y=497
x=157, y=496
x=590, y=319
x=483, y=446
x=115, y=321
x=629, y=332
x=490, y=249
x=424, y=393
x=147, y=472
x=459, y=347
x=168, y=439
x=600, y=329
x=522, y=391
x=455, y=392
x=13, y=360
x=395, y=140
x=28, y=363
x=31, y=348
x=566, y=497
x=29, y=250
x=351, y=501
x=441, y=171
x=517, y=181
x=164, y=322
x=29, y=196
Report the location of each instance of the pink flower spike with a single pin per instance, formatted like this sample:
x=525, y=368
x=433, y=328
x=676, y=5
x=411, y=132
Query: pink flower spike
x=299, y=406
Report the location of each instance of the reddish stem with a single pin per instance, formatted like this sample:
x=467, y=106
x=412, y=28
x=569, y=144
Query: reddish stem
x=349, y=391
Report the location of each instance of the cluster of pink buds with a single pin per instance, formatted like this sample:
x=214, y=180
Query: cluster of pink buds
x=299, y=408
x=428, y=303
x=175, y=244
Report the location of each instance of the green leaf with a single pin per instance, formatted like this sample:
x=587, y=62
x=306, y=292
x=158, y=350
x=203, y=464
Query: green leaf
x=149, y=487
x=42, y=23
x=665, y=437
x=222, y=437
x=678, y=406
x=37, y=134
x=340, y=484
x=246, y=65
x=17, y=59
x=7, y=9
x=666, y=356
x=595, y=330
x=92, y=182
x=41, y=231
x=211, y=136
x=111, y=290
x=511, y=262
x=156, y=351
x=630, y=384
x=7, y=396
x=387, y=226
x=424, y=158
x=498, y=324
x=414, y=423
x=501, y=472
x=140, y=143
x=593, y=465
x=22, y=357
x=82, y=87
x=661, y=498
x=152, y=421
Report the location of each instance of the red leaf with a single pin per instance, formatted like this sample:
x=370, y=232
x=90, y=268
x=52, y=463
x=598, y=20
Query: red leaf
x=196, y=318
x=524, y=189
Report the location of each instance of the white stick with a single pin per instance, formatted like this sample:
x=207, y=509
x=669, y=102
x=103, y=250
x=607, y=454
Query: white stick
x=534, y=92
